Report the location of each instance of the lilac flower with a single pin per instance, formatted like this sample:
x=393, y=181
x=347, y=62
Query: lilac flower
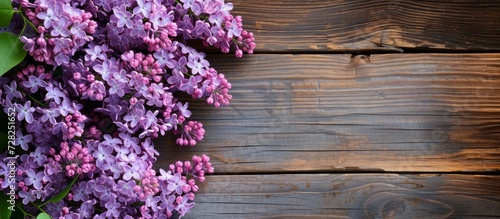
x=78, y=29
x=178, y=66
x=134, y=170
x=190, y=85
x=198, y=64
x=129, y=159
x=162, y=57
x=161, y=18
x=121, y=151
x=95, y=52
x=130, y=142
x=35, y=127
x=48, y=16
x=27, y=197
x=164, y=176
x=49, y=114
x=117, y=87
x=67, y=107
x=197, y=8
x=114, y=111
x=185, y=25
x=22, y=140
x=153, y=100
x=34, y=179
x=201, y=28
x=183, y=109
x=217, y=19
x=233, y=30
x=25, y=112
x=52, y=167
x=125, y=187
x=61, y=58
x=96, y=91
x=117, y=168
x=61, y=44
x=136, y=79
x=102, y=155
x=29, y=44
x=149, y=119
x=191, y=52
x=118, y=69
x=121, y=16
x=38, y=193
x=37, y=157
x=87, y=208
x=12, y=91
x=123, y=127
x=59, y=127
x=121, y=77
x=107, y=68
x=226, y=8
x=134, y=117
x=79, y=191
x=188, y=3
x=117, y=38
x=103, y=189
x=113, y=208
x=34, y=82
x=176, y=79
x=176, y=183
x=143, y=7
x=211, y=7
x=60, y=28
x=137, y=29
x=167, y=203
x=152, y=202
x=28, y=162
x=183, y=207
x=54, y=93
x=149, y=149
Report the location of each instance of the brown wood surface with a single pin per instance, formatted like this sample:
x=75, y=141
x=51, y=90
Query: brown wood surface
x=349, y=196
x=393, y=112
x=395, y=25
x=315, y=133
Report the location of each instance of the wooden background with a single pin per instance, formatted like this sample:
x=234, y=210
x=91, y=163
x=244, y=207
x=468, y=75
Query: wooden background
x=356, y=109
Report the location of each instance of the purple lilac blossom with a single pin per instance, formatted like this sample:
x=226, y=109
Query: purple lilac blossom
x=105, y=83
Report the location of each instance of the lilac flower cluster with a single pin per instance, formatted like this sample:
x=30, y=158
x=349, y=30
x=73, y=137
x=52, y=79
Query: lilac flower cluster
x=102, y=80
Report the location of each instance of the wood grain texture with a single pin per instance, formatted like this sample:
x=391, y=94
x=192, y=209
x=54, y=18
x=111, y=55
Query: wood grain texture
x=394, y=112
x=348, y=196
x=396, y=25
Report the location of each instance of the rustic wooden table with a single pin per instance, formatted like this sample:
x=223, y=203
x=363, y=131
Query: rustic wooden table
x=356, y=109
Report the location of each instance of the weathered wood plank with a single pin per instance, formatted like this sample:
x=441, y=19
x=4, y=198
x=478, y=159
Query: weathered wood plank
x=399, y=112
x=348, y=196
x=341, y=26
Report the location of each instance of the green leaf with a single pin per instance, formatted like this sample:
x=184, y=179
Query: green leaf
x=18, y=213
x=6, y=12
x=63, y=193
x=11, y=51
x=5, y=212
x=43, y=216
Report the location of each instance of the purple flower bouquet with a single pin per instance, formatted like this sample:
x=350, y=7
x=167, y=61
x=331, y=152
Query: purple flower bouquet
x=87, y=85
